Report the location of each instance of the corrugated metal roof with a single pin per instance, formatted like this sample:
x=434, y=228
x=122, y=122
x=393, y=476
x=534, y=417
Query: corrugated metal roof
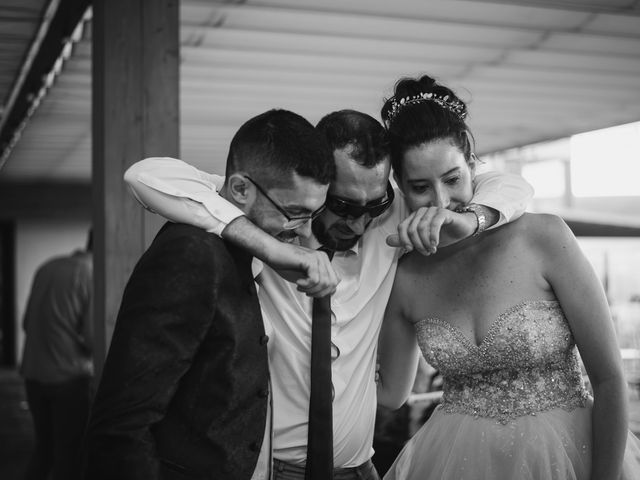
x=531, y=70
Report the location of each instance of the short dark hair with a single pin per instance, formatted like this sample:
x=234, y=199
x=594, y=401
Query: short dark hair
x=363, y=133
x=276, y=143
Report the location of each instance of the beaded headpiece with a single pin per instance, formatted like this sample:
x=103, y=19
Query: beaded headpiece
x=454, y=106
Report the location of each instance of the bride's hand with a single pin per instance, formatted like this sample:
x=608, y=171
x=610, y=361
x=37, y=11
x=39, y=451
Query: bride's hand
x=428, y=228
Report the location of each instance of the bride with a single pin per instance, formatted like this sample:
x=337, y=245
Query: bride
x=499, y=315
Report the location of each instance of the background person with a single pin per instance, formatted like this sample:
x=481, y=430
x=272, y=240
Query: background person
x=57, y=363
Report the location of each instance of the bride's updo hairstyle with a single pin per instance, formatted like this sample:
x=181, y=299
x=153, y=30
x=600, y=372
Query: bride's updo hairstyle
x=421, y=111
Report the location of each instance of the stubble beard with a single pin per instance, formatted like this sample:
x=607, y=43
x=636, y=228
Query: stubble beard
x=323, y=235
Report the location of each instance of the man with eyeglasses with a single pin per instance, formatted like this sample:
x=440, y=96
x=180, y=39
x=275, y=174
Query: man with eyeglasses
x=360, y=214
x=294, y=220
x=185, y=389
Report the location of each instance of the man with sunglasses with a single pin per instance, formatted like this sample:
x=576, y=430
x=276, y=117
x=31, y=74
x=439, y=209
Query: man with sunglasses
x=360, y=213
x=185, y=388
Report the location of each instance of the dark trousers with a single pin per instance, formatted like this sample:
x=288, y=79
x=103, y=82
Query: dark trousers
x=60, y=412
x=287, y=471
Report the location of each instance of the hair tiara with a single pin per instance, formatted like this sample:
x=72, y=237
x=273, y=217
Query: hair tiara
x=454, y=106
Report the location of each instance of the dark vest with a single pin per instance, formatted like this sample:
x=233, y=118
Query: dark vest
x=185, y=385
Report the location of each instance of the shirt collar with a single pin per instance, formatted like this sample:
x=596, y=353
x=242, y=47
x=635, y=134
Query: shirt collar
x=256, y=267
x=355, y=250
x=314, y=244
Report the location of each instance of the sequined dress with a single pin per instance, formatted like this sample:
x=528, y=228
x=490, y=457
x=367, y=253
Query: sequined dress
x=513, y=407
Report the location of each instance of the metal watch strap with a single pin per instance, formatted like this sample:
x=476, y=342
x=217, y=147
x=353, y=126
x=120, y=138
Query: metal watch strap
x=478, y=211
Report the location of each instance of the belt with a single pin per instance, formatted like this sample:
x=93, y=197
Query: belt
x=280, y=466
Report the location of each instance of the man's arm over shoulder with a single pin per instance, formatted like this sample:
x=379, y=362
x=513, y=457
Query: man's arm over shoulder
x=500, y=198
x=505, y=193
x=166, y=310
x=181, y=193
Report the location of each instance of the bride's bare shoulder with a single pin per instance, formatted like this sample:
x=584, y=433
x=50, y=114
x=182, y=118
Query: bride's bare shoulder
x=542, y=229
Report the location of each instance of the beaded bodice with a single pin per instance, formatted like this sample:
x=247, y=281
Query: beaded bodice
x=526, y=364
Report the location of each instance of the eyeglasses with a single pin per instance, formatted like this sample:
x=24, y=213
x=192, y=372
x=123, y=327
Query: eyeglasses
x=374, y=208
x=293, y=222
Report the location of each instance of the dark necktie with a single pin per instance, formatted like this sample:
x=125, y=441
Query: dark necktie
x=320, y=438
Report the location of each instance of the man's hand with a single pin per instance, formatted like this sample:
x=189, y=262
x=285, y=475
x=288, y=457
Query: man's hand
x=309, y=269
x=428, y=228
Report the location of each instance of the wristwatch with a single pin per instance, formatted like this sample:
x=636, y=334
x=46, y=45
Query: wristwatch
x=478, y=211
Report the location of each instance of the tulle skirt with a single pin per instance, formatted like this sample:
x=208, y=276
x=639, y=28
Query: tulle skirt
x=551, y=445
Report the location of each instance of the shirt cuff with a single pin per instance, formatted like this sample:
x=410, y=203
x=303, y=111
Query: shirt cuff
x=224, y=215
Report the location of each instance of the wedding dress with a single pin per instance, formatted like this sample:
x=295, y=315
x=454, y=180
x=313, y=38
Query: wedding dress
x=514, y=407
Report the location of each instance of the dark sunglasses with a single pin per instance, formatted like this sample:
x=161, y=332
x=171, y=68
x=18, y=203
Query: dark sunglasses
x=374, y=208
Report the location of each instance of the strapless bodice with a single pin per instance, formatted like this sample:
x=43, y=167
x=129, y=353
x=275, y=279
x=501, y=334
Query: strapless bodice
x=527, y=363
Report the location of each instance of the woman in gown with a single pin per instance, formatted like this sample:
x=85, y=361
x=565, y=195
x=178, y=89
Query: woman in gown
x=499, y=315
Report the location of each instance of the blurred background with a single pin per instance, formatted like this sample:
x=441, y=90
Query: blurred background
x=88, y=88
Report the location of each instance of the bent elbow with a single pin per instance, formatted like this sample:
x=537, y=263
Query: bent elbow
x=391, y=400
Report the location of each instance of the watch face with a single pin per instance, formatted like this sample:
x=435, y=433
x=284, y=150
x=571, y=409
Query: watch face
x=478, y=212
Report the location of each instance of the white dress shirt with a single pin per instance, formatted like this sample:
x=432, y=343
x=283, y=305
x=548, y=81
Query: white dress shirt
x=185, y=194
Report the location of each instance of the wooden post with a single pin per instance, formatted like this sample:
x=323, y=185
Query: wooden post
x=135, y=115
